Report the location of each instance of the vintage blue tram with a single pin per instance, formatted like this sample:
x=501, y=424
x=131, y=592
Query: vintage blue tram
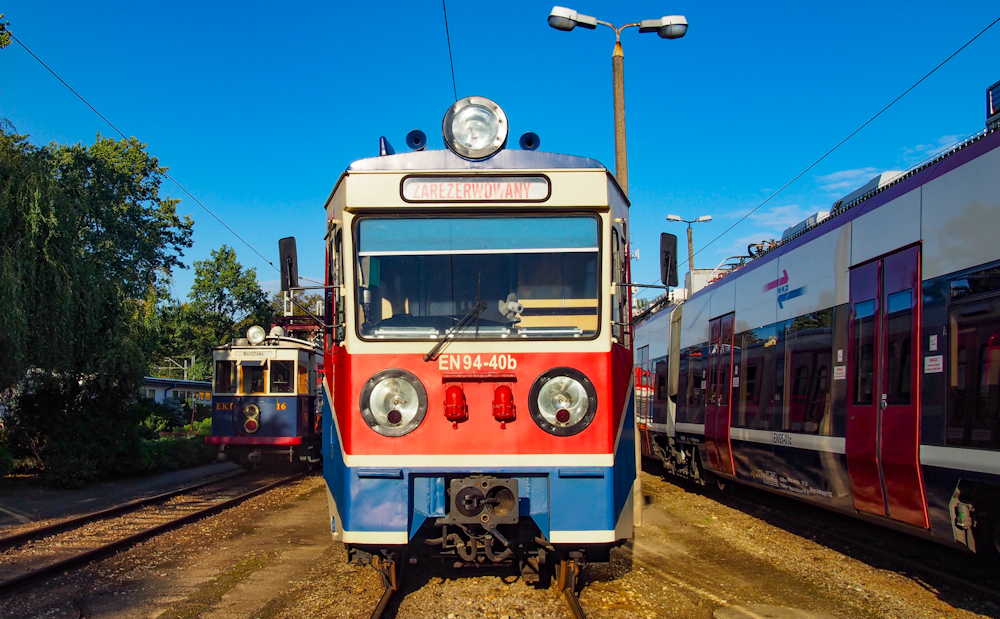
x=264, y=398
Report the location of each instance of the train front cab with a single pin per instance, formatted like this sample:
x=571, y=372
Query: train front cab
x=463, y=451
x=873, y=386
x=264, y=401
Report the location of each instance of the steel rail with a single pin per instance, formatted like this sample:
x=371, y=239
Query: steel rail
x=574, y=604
x=84, y=557
x=63, y=525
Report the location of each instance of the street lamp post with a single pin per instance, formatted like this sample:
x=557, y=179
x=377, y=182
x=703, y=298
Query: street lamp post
x=701, y=219
x=670, y=27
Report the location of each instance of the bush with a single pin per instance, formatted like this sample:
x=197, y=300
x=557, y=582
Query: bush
x=6, y=461
x=171, y=453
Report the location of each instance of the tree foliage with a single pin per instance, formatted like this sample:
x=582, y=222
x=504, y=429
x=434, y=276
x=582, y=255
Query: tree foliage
x=86, y=242
x=227, y=295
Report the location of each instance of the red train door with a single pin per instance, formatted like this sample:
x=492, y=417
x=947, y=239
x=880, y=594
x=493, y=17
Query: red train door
x=883, y=415
x=717, y=407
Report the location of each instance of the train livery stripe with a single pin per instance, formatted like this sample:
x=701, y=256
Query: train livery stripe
x=582, y=537
x=480, y=461
x=978, y=460
x=690, y=428
x=812, y=442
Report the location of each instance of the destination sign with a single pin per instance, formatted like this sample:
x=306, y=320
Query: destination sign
x=475, y=189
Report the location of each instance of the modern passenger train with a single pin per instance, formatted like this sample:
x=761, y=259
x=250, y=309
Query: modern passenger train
x=479, y=402
x=264, y=398
x=856, y=365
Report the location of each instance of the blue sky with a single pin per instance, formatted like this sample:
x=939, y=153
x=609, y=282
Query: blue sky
x=257, y=108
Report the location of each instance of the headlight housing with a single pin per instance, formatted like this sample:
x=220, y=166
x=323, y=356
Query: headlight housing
x=393, y=402
x=474, y=128
x=256, y=334
x=562, y=401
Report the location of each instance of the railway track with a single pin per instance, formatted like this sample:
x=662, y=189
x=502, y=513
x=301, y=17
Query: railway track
x=566, y=585
x=821, y=525
x=33, y=555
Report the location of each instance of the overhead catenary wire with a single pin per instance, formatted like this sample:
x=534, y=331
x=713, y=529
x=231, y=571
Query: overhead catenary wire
x=839, y=144
x=451, y=61
x=124, y=137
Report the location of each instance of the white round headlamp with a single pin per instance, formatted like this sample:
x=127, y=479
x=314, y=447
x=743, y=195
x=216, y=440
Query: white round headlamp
x=562, y=401
x=393, y=402
x=475, y=128
x=256, y=334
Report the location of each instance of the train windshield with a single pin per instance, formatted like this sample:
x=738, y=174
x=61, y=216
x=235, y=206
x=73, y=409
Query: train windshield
x=417, y=278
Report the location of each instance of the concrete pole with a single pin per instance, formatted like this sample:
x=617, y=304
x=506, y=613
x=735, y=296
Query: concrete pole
x=618, y=79
x=690, y=250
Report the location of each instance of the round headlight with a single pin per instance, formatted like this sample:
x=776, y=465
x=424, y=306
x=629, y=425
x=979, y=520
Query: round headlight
x=393, y=402
x=562, y=401
x=475, y=128
x=256, y=334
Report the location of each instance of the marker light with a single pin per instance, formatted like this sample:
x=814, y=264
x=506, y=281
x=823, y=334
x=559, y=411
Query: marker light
x=563, y=401
x=475, y=128
x=256, y=334
x=252, y=414
x=393, y=402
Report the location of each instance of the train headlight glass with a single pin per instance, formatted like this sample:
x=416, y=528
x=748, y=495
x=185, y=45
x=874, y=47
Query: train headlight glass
x=256, y=334
x=393, y=402
x=562, y=401
x=475, y=128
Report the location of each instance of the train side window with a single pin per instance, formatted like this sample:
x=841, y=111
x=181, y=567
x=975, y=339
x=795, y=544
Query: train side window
x=900, y=347
x=616, y=313
x=757, y=377
x=864, y=352
x=225, y=377
x=974, y=361
x=809, y=354
x=281, y=377
x=304, y=379
x=691, y=406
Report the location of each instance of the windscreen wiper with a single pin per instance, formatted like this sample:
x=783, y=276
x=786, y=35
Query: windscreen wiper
x=473, y=314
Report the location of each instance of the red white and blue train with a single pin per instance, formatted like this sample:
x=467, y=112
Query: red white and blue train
x=856, y=365
x=478, y=403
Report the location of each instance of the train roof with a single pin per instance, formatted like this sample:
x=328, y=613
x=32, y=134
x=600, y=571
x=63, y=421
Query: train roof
x=447, y=160
x=965, y=151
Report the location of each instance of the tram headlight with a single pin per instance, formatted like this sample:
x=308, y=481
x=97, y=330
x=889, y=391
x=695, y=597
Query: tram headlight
x=563, y=401
x=475, y=128
x=393, y=402
x=256, y=334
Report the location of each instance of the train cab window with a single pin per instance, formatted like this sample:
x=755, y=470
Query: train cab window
x=281, y=377
x=974, y=361
x=536, y=276
x=225, y=377
x=253, y=378
x=864, y=352
x=900, y=347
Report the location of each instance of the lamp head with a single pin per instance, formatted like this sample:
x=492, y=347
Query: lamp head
x=704, y=218
x=669, y=27
x=673, y=218
x=565, y=19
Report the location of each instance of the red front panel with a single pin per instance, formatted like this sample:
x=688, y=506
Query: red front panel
x=901, y=387
x=862, y=403
x=481, y=433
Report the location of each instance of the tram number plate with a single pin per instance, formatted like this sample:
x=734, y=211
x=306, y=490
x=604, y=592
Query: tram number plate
x=477, y=362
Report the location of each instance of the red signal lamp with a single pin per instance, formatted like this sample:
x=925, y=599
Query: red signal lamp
x=251, y=426
x=455, y=407
x=503, y=405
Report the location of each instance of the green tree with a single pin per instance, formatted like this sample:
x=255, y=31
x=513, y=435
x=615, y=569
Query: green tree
x=86, y=242
x=228, y=296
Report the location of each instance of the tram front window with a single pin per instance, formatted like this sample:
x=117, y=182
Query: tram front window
x=537, y=276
